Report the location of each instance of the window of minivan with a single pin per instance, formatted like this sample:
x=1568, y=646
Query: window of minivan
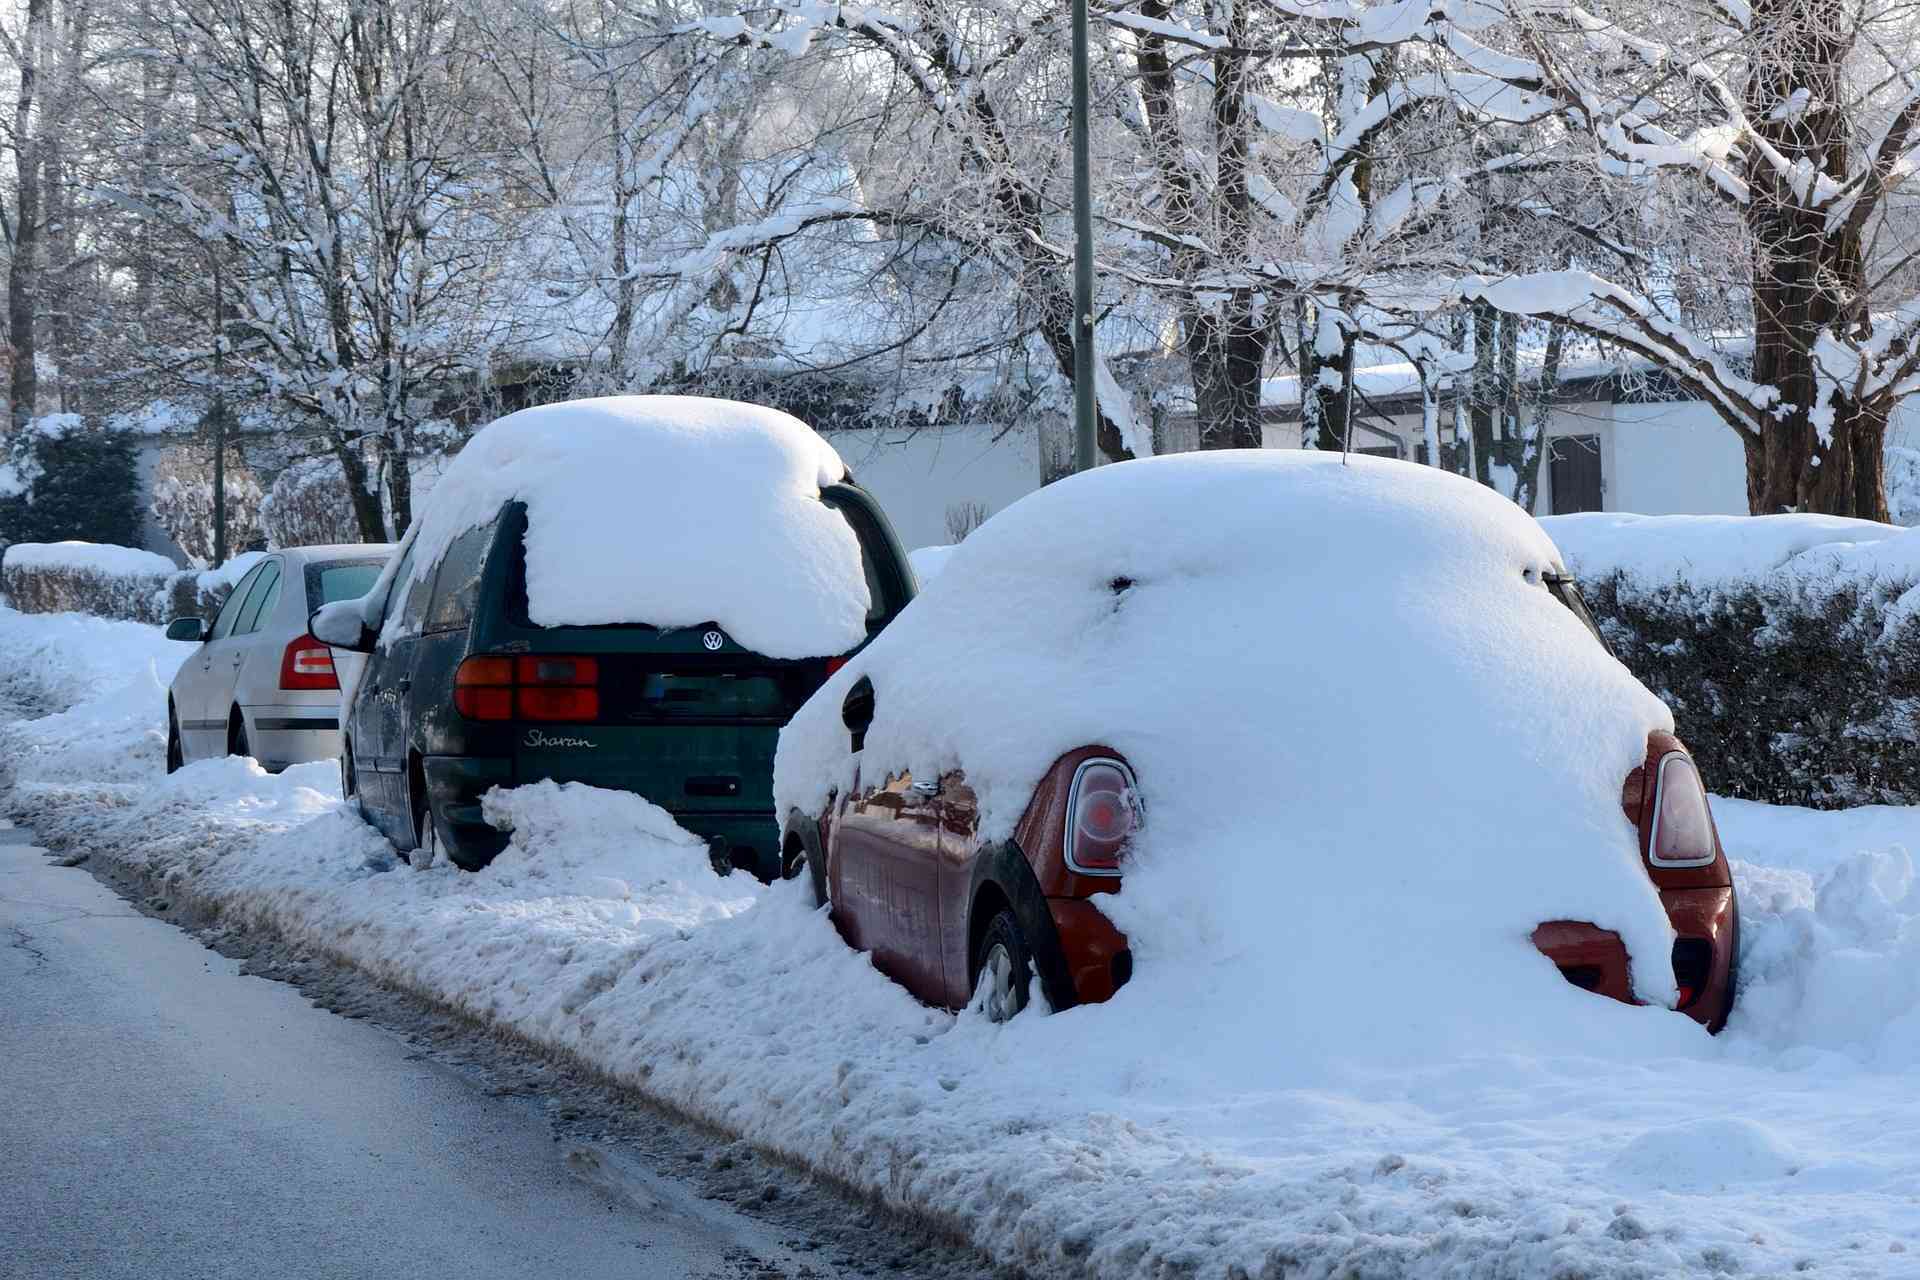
x=457, y=586
x=881, y=603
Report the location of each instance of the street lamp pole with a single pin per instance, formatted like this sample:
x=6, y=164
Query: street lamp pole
x=1084, y=456
x=219, y=409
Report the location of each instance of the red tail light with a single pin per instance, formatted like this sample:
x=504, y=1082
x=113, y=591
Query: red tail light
x=1103, y=812
x=1682, y=833
x=307, y=664
x=528, y=688
x=483, y=689
x=834, y=664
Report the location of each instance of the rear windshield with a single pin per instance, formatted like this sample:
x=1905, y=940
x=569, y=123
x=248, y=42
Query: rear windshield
x=878, y=608
x=340, y=580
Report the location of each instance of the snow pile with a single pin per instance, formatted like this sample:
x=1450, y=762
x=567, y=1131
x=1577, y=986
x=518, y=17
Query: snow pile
x=113, y=676
x=927, y=562
x=90, y=557
x=669, y=510
x=601, y=934
x=1831, y=961
x=1256, y=696
x=1718, y=553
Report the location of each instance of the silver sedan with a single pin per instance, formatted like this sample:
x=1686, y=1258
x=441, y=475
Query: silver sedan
x=259, y=685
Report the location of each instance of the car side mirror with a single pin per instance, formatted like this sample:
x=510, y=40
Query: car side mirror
x=857, y=712
x=189, y=630
x=342, y=625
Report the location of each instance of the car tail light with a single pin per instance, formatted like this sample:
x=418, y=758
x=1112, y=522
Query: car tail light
x=557, y=688
x=483, y=689
x=834, y=664
x=1103, y=812
x=1682, y=833
x=533, y=687
x=307, y=664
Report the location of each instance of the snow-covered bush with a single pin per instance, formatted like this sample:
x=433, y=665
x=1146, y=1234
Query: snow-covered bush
x=62, y=477
x=113, y=582
x=1787, y=646
x=183, y=500
x=85, y=577
x=309, y=505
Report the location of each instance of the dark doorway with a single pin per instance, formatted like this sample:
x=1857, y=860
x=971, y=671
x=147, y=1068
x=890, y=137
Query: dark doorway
x=1574, y=472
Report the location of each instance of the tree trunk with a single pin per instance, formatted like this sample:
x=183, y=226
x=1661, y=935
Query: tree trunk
x=1484, y=394
x=400, y=478
x=1807, y=277
x=1789, y=470
x=366, y=503
x=1328, y=386
x=1226, y=354
x=1533, y=446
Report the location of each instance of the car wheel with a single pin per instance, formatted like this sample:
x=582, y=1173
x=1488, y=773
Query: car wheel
x=176, y=755
x=346, y=770
x=1003, y=971
x=237, y=744
x=426, y=832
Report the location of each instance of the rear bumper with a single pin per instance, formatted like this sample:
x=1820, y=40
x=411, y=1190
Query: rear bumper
x=749, y=841
x=1098, y=961
x=455, y=785
x=288, y=735
x=1705, y=952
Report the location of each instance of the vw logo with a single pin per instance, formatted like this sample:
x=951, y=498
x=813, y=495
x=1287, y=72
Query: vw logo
x=713, y=640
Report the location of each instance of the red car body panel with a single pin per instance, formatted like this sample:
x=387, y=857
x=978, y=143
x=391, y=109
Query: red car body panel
x=907, y=873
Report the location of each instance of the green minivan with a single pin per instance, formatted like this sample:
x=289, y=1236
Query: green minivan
x=463, y=692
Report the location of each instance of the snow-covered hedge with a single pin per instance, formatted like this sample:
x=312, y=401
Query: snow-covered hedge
x=1788, y=646
x=112, y=582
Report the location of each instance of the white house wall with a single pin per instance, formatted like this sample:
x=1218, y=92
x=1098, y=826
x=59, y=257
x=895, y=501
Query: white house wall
x=1674, y=459
x=917, y=475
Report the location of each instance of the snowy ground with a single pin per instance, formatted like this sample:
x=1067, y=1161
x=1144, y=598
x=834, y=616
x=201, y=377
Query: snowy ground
x=1789, y=1145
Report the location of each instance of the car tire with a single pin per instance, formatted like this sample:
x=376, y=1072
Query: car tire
x=1003, y=969
x=800, y=852
x=426, y=831
x=817, y=874
x=176, y=754
x=237, y=744
x=346, y=770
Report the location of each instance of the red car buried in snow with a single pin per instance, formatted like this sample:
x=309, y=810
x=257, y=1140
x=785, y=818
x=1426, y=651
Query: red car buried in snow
x=987, y=866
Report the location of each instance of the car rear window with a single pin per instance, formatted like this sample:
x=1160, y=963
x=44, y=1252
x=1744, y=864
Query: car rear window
x=340, y=580
x=880, y=606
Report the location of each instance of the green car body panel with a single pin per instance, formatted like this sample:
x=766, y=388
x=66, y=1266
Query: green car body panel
x=687, y=718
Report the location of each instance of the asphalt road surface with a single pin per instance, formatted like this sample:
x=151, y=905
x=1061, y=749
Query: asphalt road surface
x=162, y=1115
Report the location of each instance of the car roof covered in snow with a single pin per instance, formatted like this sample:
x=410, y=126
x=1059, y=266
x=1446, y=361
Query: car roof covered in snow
x=667, y=510
x=1375, y=751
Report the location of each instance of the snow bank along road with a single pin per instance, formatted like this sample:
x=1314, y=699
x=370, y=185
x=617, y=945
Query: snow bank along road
x=1789, y=1145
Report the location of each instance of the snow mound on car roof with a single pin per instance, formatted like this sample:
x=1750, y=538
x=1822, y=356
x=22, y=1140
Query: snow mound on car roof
x=668, y=510
x=1374, y=751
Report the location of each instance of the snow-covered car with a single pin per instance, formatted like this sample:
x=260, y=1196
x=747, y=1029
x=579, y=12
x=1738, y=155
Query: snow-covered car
x=1350, y=718
x=259, y=685
x=634, y=593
